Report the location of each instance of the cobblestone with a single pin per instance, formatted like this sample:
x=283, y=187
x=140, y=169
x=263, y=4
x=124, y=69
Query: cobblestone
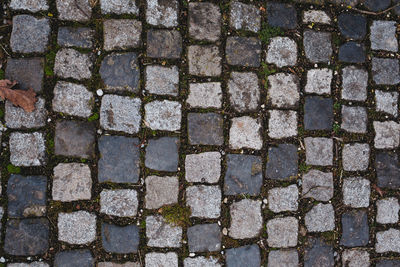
x=243, y=51
x=282, y=51
x=82, y=258
x=355, y=257
x=119, y=239
x=317, y=252
x=319, y=81
x=385, y=71
x=79, y=37
x=169, y=259
x=352, y=26
x=352, y=52
x=164, y=44
x=282, y=162
x=246, y=219
x=162, y=154
x=387, y=102
x=17, y=118
x=354, y=119
x=118, y=7
x=319, y=151
x=162, y=13
x=244, y=92
x=282, y=124
x=121, y=202
x=383, y=35
x=355, y=231
x=121, y=34
x=283, y=91
x=35, y=6
x=27, y=71
x=27, y=149
x=70, y=63
x=320, y=218
x=77, y=227
x=317, y=46
x=282, y=232
x=163, y=115
x=204, y=238
x=245, y=255
x=388, y=241
x=287, y=257
x=355, y=157
x=318, y=113
x=162, y=80
x=204, y=21
x=204, y=60
x=245, y=132
x=161, y=191
x=161, y=234
x=387, y=210
x=203, y=167
x=283, y=198
x=356, y=192
x=318, y=185
x=205, y=95
x=74, y=10
x=245, y=17
x=205, y=128
x=204, y=201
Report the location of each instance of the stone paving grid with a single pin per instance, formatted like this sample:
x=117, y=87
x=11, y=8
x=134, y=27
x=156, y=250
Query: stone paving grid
x=284, y=145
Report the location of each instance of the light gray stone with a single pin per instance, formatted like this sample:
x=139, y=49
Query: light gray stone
x=316, y=16
x=163, y=115
x=204, y=21
x=282, y=124
x=319, y=81
x=204, y=201
x=169, y=259
x=32, y=264
x=30, y=5
x=122, y=34
x=283, y=90
x=283, y=258
x=354, y=119
x=383, y=35
x=27, y=149
x=71, y=182
x=119, y=202
x=162, y=13
x=204, y=60
x=162, y=80
x=356, y=192
x=161, y=191
x=317, y=185
x=282, y=51
x=75, y=10
x=245, y=17
x=72, y=99
x=317, y=46
x=245, y=132
x=205, y=95
x=387, y=134
x=201, y=261
x=161, y=234
x=246, y=219
x=119, y=7
x=17, y=117
x=388, y=241
x=244, y=91
x=282, y=232
x=320, y=218
x=385, y=71
x=120, y=113
x=319, y=151
x=283, y=198
x=354, y=83
x=387, y=210
x=70, y=63
x=113, y=264
x=203, y=167
x=355, y=157
x=77, y=227
x=387, y=102
x=355, y=258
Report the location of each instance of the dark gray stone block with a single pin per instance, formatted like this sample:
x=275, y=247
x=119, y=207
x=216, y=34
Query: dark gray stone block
x=204, y=238
x=352, y=52
x=243, y=256
x=318, y=253
x=385, y=71
x=318, y=113
x=205, y=129
x=162, y=154
x=388, y=263
x=282, y=162
x=281, y=15
x=28, y=72
x=79, y=37
x=387, y=170
x=352, y=26
x=120, y=239
x=317, y=46
x=377, y=5
x=72, y=258
x=355, y=229
x=164, y=44
x=243, y=51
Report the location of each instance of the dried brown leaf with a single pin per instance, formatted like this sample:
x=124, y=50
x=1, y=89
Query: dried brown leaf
x=20, y=98
x=380, y=191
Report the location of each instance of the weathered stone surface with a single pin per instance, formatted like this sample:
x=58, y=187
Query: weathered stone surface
x=119, y=159
x=319, y=151
x=317, y=46
x=355, y=258
x=119, y=202
x=204, y=60
x=77, y=227
x=245, y=132
x=387, y=102
x=388, y=241
x=27, y=71
x=244, y=91
x=282, y=124
x=283, y=198
x=120, y=113
x=283, y=90
x=317, y=185
x=243, y=51
x=32, y=264
x=282, y=51
x=387, y=210
x=383, y=35
x=352, y=52
x=316, y=16
x=122, y=34
x=205, y=129
x=113, y=264
x=119, y=7
x=17, y=117
x=282, y=232
x=169, y=259
x=75, y=10
x=162, y=154
x=201, y=261
x=27, y=149
x=161, y=234
x=387, y=170
x=82, y=258
x=243, y=175
x=120, y=239
x=164, y=43
x=320, y=218
x=162, y=13
x=319, y=81
x=204, y=21
x=282, y=162
x=283, y=257
x=163, y=115
x=205, y=95
x=203, y=167
x=70, y=63
x=387, y=134
x=245, y=17
x=248, y=255
x=385, y=71
x=318, y=113
x=29, y=34
x=387, y=263
x=281, y=15
x=354, y=83
x=352, y=26
x=82, y=37
x=355, y=229
x=355, y=157
x=246, y=219
x=356, y=192
x=377, y=5
x=161, y=191
x=204, y=201
x=204, y=238
x=318, y=253
x=354, y=119
x=32, y=6
x=75, y=139
x=162, y=80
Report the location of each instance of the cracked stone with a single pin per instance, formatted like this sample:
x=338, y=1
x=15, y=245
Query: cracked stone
x=27, y=71
x=162, y=13
x=283, y=198
x=319, y=81
x=70, y=63
x=243, y=51
x=244, y=17
x=163, y=115
x=283, y=257
x=162, y=80
x=119, y=7
x=204, y=21
x=283, y=90
x=204, y=238
x=356, y=192
x=17, y=117
x=119, y=239
x=387, y=102
x=282, y=232
x=355, y=157
x=352, y=26
x=388, y=241
x=246, y=219
x=204, y=60
x=120, y=202
x=352, y=52
x=248, y=255
x=164, y=44
x=282, y=162
x=385, y=71
x=282, y=124
x=318, y=253
x=161, y=191
x=282, y=51
x=82, y=37
x=204, y=201
x=161, y=234
x=205, y=129
x=387, y=170
x=122, y=34
x=169, y=259
x=317, y=185
x=383, y=35
x=281, y=15
x=354, y=119
x=32, y=6
x=355, y=258
x=203, y=167
x=387, y=134
x=318, y=113
x=27, y=149
x=82, y=258
x=205, y=95
x=244, y=91
x=162, y=154
x=354, y=83
x=355, y=229
x=77, y=227
x=319, y=151
x=317, y=46
x=387, y=210
x=245, y=132
x=320, y=218
x=75, y=10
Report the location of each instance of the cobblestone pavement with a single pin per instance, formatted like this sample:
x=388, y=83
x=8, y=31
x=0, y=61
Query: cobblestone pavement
x=213, y=133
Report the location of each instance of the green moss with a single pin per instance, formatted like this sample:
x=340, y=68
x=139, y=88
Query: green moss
x=94, y=117
x=336, y=128
x=83, y=160
x=267, y=32
x=1, y=74
x=176, y=215
x=13, y=169
x=266, y=70
x=337, y=106
x=304, y=167
x=142, y=224
x=1, y=113
x=50, y=58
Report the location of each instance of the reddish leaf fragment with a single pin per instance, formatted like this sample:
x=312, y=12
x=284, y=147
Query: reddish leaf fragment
x=380, y=191
x=19, y=98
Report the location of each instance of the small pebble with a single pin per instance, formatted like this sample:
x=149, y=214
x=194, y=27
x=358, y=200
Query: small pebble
x=99, y=92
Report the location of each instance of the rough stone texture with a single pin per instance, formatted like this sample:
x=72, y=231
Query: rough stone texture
x=32, y=236
x=281, y=15
x=204, y=21
x=161, y=234
x=243, y=51
x=82, y=258
x=356, y=192
x=244, y=17
x=243, y=175
x=118, y=7
x=246, y=219
x=32, y=264
x=317, y=46
x=121, y=34
x=318, y=113
x=385, y=71
x=29, y=35
x=119, y=159
x=77, y=227
x=355, y=258
x=205, y=95
x=27, y=149
x=162, y=13
x=283, y=90
x=162, y=154
x=248, y=255
x=244, y=91
x=112, y=264
x=383, y=35
x=282, y=162
x=204, y=238
x=245, y=132
x=355, y=229
x=163, y=115
x=352, y=52
x=205, y=129
x=169, y=259
x=388, y=241
x=120, y=113
x=203, y=167
x=16, y=117
x=355, y=157
x=27, y=71
x=354, y=83
x=282, y=232
x=282, y=51
x=387, y=263
x=377, y=5
x=75, y=139
x=162, y=80
x=120, y=72
x=319, y=81
x=317, y=185
x=318, y=253
x=387, y=134
x=201, y=261
x=82, y=37
x=283, y=198
x=70, y=63
x=164, y=43
x=387, y=170
x=320, y=218
x=75, y=10
x=316, y=16
x=282, y=124
x=204, y=60
x=354, y=119
x=120, y=202
x=161, y=191
x=352, y=26
x=119, y=239
x=387, y=210
x=319, y=151
x=204, y=201
x=29, y=5
x=283, y=258
x=71, y=182
x=387, y=102
x=72, y=99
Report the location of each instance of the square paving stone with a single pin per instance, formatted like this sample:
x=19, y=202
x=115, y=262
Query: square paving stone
x=204, y=201
x=387, y=134
x=113, y=264
x=162, y=154
x=77, y=227
x=154, y=259
x=82, y=37
x=246, y=219
x=387, y=102
x=75, y=139
x=283, y=90
x=282, y=162
x=119, y=7
x=27, y=149
x=119, y=202
x=354, y=83
x=164, y=44
x=282, y=232
x=29, y=34
x=204, y=21
x=283, y=257
x=355, y=257
x=244, y=91
x=388, y=241
x=205, y=95
x=75, y=10
x=163, y=115
x=32, y=236
x=319, y=151
x=355, y=157
x=39, y=5
x=27, y=71
x=204, y=238
x=119, y=159
x=383, y=35
x=204, y=60
x=243, y=175
x=317, y=46
x=282, y=51
x=120, y=72
x=281, y=15
x=82, y=258
x=122, y=34
x=320, y=218
x=245, y=132
x=205, y=129
x=354, y=119
x=31, y=264
x=162, y=13
x=356, y=192
x=387, y=263
x=282, y=124
x=316, y=16
x=355, y=229
x=283, y=198
x=119, y=239
x=352, y=52
x=201, y=261
x=385, y=71
x=318, y=253
x=70, y=63
x=26, y=196
x=352, y=26
x=17, y=117
x=248, y=255
x=319, y=81
x=203, y=167
x=161, y=191
x=317, y=185
x=387, y=170
x=71, y=181
x=243, y=51
x=377, y=5
x=244, y=17
x=162, y=80
x=161, y=234
x=387, y=210
x=318, y=113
